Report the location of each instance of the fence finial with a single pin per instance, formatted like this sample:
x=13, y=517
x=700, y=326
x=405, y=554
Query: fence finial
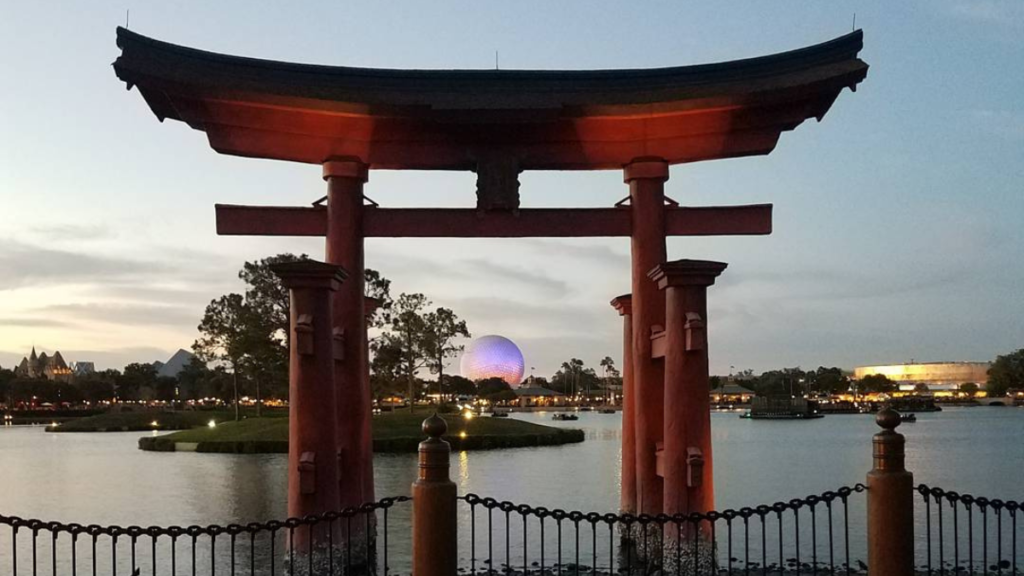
x=888, y=419
x=435, y=427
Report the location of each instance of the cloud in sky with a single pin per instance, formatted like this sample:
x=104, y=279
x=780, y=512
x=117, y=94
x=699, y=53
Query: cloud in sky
x=517, y=318
x=26, y=265
x=1005, y=123
x=35, y=322
x=599, y=253
x=73, y=232
x=152, y=314
x=516, y=275
x=1003, y=13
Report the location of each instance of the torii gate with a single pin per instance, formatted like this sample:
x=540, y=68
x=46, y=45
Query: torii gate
x=497, y=123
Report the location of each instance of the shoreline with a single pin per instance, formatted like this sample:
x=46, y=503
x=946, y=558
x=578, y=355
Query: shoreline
x=408, y=445
x=396, y=433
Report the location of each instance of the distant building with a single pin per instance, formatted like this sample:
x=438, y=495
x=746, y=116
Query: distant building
x=935, y=375
x=174, y=364
x=731, y=394
x=537, y=396
x=81, y=368
x=43, y=366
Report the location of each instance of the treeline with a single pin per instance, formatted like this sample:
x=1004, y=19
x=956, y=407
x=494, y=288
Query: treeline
x=572, y=379
x=1006, y=373
x=798, y=382
x=137, y=382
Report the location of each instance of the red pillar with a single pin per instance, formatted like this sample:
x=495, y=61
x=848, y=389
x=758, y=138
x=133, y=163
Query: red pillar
x=312, y=460
x=627, y=501
x=646, y=181
x=687, y=459
x=345, y=179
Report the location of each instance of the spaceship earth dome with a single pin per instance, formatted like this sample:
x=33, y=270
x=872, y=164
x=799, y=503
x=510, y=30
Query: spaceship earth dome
x=492, y=356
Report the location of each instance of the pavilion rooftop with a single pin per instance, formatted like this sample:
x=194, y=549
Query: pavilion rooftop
x=454, y=119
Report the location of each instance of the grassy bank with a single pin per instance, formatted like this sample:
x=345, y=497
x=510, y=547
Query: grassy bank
x=398, y=432
x=146, y=420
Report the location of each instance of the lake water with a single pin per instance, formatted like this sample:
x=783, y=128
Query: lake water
x=104, y=479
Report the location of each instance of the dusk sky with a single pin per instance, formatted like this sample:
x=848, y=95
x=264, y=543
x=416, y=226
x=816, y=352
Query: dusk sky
x=899, y=219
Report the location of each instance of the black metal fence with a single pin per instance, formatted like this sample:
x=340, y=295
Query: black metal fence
x=957, y=534
x=964, y=534
x=353, y=541
x=802, y=536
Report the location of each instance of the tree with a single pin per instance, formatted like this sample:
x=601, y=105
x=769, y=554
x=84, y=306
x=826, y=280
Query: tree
x=265, y=293
x=378, y=287
x=165, y=387
x=1007, y=371
x=386, y=377
x=921, y=388
x=788, y=381
x=969, y=388
x=225, y=340
x=407, y=337
x=610, y=371
x=194, y=380
x=457, y=385
x=566, y=380
x=492, y=387
x=879, y=383
x=573, y=377
x=98, y=386
x=135, y=377
x=539, y=382
x=441, y=328
x=6, y=377
x=828, y=380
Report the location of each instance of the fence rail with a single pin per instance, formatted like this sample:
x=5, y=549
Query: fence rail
x=802, y=536
x=344, y=542
x=968, y=534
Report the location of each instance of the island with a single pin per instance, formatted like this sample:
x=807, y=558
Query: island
x=392, y=433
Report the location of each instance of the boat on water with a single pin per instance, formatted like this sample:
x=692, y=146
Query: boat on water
x=782, y=408
x=565, y=416
x=749, y=414
x=497, y=414
x=908, y=418
x=606, y=411
x=909, y=404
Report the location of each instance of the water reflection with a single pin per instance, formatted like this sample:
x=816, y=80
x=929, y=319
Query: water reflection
x=462, y=470
x=104, y=478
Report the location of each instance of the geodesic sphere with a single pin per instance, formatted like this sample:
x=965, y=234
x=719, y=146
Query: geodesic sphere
x=492, y=356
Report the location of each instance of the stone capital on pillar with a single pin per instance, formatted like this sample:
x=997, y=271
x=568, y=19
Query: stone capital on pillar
x=686, y=273
x=623, y=304
x=346, y=168
x=646, y=169
x=309, y=274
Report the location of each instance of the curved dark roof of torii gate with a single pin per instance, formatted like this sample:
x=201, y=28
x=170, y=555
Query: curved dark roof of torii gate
x=451, y=119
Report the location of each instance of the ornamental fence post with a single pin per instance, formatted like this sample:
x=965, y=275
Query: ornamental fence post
x=434, y=525
x=890, y=521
